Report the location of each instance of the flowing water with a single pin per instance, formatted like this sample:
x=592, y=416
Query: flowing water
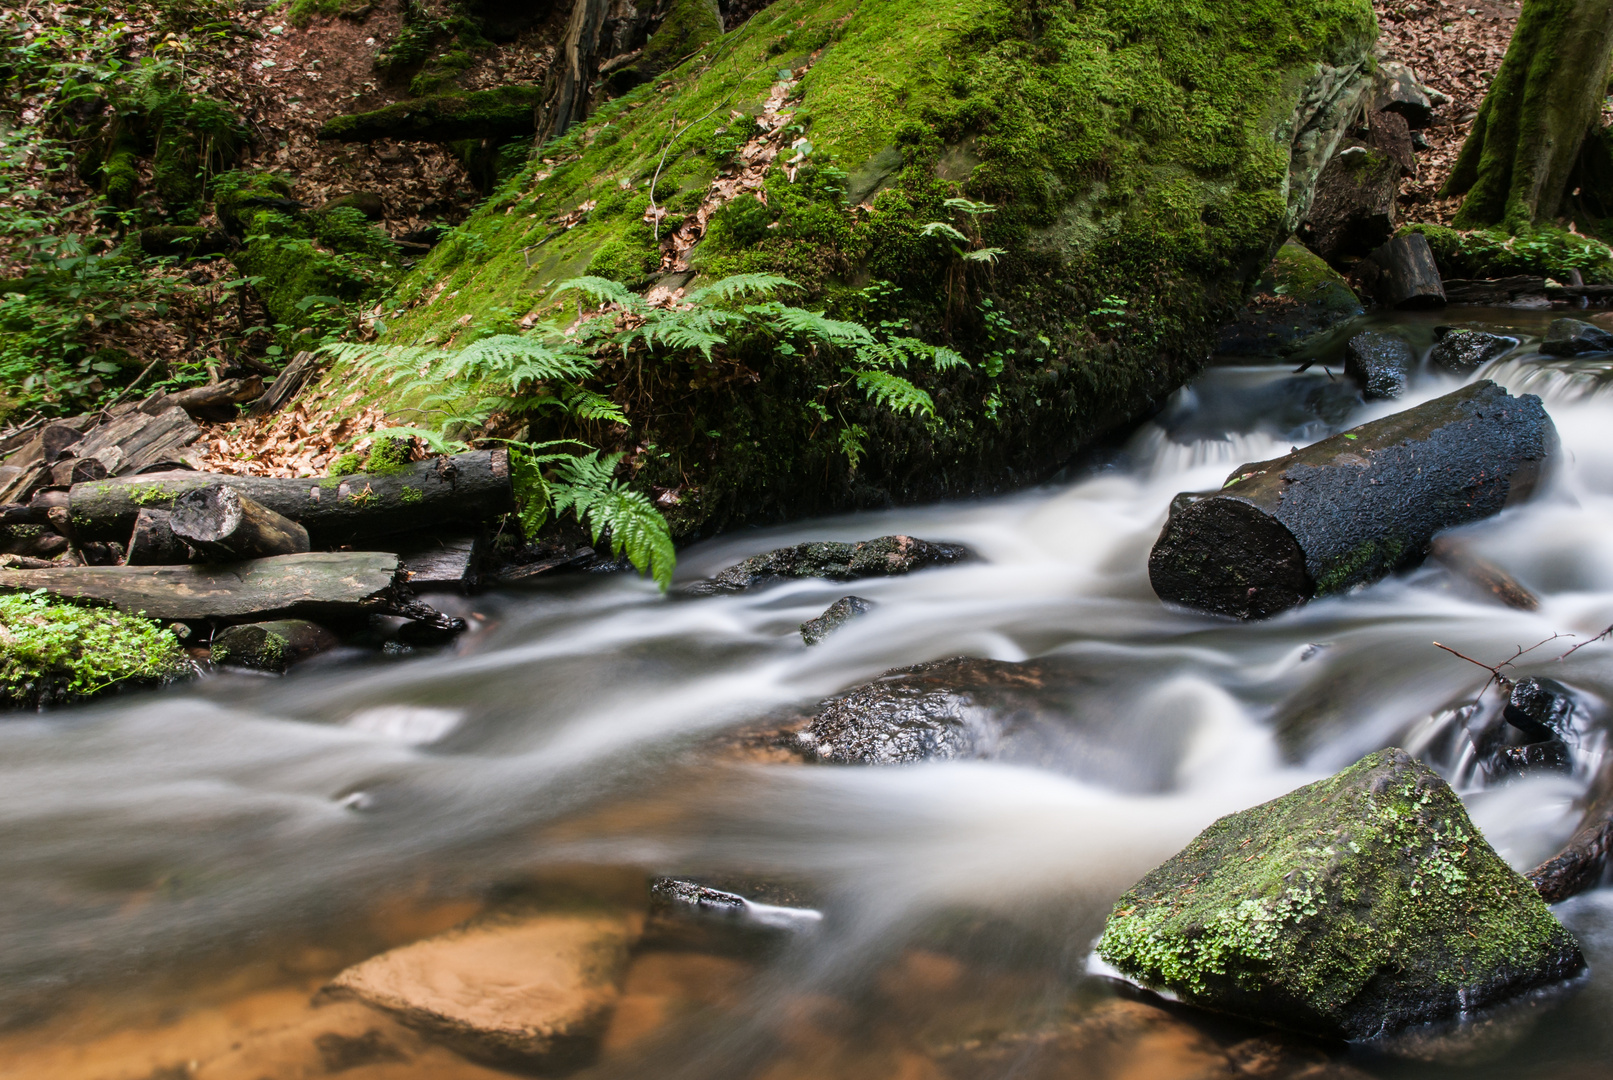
x=179, y=870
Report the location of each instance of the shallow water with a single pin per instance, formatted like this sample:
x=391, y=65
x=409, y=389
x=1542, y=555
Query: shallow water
x=179, y=869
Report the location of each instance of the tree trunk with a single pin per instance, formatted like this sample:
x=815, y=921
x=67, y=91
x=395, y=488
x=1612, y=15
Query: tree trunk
x=1521, y=154
x=566, y=100
x=225, y=526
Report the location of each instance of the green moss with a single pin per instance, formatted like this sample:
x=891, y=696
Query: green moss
x=1367, y=561
x=1364, y=901
x=52, y=650
x=499, y=113
x=120, y=174
x=346, y=465
x=688, y=25
x=1136, y=152
x=387, y=456
x=410, y=495
x=1547, y=251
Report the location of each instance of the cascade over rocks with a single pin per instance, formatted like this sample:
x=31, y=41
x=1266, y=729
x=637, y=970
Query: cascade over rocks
x=1351, y=508
x=1352, y=908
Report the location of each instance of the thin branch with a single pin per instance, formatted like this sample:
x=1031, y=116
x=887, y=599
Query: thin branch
x=1496, y=677
x=1581, y=645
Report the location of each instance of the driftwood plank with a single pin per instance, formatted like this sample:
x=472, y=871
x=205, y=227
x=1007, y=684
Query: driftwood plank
x=309, y=584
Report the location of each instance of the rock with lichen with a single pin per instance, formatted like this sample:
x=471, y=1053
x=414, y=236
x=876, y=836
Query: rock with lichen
x=1351, y=908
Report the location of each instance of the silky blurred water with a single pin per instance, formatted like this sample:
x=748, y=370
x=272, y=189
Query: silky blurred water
x=155, y=837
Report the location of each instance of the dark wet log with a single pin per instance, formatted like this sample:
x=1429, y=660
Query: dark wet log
x=441, y=561
x=503, y=112
x=134, y=440
x=223, y=525
x=1493, y=290
x=883, y=556
x=215, y=401
x=1582, y=863
x=1410, y=278
x=270, y=646
x=1461, y=560
x=153, y=543
x=287, y=385
x=21, y=484
x=313, y=584
x=1596, y=294
x=182, y=241
x=564, y=94
x=1352, y=508
x=462, y=488
x=21, y=514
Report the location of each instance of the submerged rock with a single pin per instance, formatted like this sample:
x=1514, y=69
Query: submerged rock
x=886, y=556
x=1463, y=351
x=1380, y=362
x=1298, y=298
x=837, y=614
x=271, y=646
x=535, y=991
x=1574, y=337
x=1352, y=908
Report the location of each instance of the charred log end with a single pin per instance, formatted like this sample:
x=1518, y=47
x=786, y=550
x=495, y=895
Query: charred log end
x=1223, y=555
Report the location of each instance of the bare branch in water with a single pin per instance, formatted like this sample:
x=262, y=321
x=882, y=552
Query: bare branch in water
x=1581, y=645
x=1496, y=677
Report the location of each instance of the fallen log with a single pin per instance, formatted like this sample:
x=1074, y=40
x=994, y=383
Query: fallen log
x=225, y=526
x=1410, y=276
x=312, y=584
x=1461, y=560
x=1352, y=508
x=75, y=470
x=286, y=385
x=270, y=646
x=503, y=112
x=135, y=440
x=153, y=543
x=1582, y=862
x=462, y=489
x=215, y=401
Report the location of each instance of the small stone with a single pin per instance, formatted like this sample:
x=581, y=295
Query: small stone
x=535, y=991
x=1351, y=908
x=1540, y=708
x=834, y=617
x=1573, y=337
x=1548, y=755
x=1461, y=352
x=1381, y=363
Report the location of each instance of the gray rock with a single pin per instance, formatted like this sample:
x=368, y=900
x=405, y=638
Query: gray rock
x=1540, y=708
x=1354, y=908
x=886, y=556
x=834, y=617
x=1574, y=337
x=1461, y=352
x=1380, y=362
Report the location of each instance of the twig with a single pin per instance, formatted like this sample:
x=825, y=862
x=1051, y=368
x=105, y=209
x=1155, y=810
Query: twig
x=1496, y=677
x=1581, y=645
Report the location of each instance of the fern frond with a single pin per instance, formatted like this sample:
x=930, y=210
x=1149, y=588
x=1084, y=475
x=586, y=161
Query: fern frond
x=944, y=359
x=603, y=291
x=637, y=528
x=985, y=255
x=894, y=392
x=851, y=443
x=591, y=406
x=969, y=206
x=941, y=228
x=814, y=324
x=738, y=285
x=437, y=443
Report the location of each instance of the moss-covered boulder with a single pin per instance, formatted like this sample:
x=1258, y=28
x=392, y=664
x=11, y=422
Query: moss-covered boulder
x=1353, y=907
x=1119, y=173
x=1296, y=300
x=54, y=653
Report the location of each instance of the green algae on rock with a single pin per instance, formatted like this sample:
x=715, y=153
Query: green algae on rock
x=1132, y=164
x=1352, y=908
x=55, y=652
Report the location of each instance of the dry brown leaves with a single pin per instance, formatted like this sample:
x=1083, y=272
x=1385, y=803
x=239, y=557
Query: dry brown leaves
x=300, y=440
x=1456, y=48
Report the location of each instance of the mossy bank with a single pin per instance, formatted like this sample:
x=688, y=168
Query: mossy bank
x=57, y=653
x=1130, y=166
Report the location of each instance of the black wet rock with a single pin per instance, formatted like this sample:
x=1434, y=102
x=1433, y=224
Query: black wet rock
x=1380, y=362
x=1461, y=352
x=1540, y=708
x=1548, y=755
x=834, y=617
x=886, y=556
x=1355, y=907
x=1575, y=337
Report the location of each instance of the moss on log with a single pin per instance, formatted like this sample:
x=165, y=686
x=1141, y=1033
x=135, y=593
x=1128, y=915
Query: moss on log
x=1351, y=908
x=503, y=112
x=1145, y=161
x=1351, y=508
x=462, y=488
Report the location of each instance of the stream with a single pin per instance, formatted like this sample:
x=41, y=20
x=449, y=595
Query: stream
x=177, y=862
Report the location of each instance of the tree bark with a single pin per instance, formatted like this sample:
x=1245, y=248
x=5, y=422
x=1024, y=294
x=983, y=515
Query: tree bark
x=1517, y=163
x=320, y=583
x=1352, y=508
x=566, y=97
x=153, y=543
x=462, y=489
x=225, y=526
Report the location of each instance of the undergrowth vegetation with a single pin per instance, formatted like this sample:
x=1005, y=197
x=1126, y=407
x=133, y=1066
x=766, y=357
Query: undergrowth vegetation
x=59, y=650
